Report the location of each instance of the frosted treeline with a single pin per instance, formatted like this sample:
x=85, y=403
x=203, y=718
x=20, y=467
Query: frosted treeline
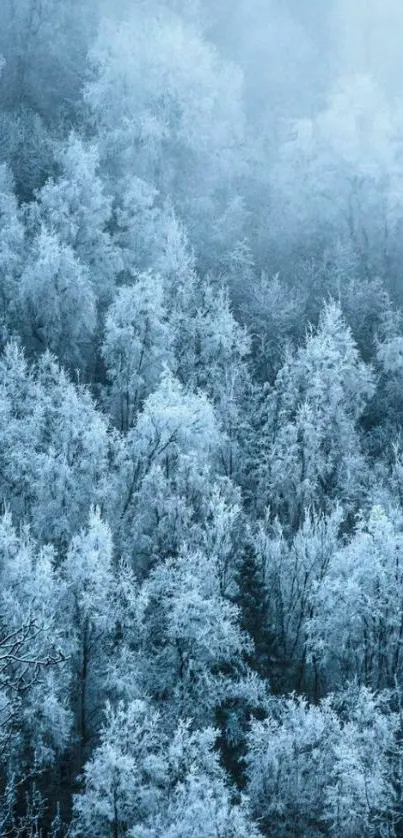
x=201, y=418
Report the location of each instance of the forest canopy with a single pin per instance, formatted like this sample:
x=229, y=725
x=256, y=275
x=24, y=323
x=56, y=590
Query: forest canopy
x=201, y=419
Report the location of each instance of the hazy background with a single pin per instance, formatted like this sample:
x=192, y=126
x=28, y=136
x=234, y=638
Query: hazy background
x=292, y=51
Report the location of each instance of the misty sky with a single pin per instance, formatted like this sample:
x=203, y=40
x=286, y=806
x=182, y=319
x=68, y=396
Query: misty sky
x=293, y=52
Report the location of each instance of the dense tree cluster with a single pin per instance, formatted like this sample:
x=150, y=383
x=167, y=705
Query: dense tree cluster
x=201, y=420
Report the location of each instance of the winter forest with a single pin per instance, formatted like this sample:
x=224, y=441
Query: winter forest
x=201, y=418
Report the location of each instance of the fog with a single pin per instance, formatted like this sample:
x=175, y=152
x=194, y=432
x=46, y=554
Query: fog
x=292, y=52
